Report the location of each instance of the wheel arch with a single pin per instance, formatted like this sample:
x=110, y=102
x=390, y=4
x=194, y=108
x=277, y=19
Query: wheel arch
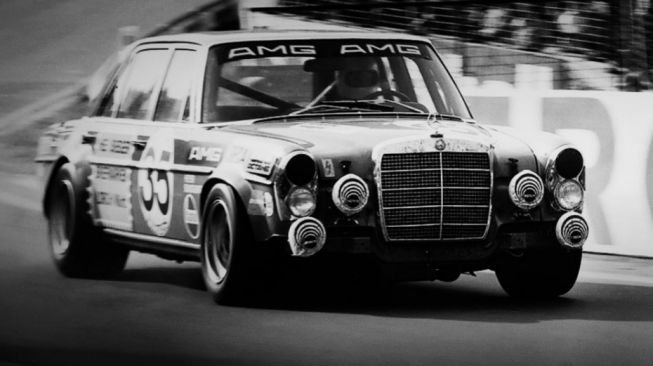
x=232, y=178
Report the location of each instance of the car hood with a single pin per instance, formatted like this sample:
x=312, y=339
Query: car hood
x=347, y=135
x=355, y=138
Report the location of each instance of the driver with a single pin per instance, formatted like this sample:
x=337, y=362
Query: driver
x=358, y=78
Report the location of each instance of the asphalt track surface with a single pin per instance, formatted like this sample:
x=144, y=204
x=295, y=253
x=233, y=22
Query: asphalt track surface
x=157, y=312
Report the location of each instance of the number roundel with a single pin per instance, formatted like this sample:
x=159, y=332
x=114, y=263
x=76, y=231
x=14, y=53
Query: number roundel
x=155, y=182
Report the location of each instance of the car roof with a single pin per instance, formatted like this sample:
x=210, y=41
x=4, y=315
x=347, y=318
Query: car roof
x=213, y=38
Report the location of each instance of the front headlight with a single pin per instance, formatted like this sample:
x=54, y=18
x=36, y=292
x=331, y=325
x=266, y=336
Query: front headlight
x=569, y=194
x=301, y=201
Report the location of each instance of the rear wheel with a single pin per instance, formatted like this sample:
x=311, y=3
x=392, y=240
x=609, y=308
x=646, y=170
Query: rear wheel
x=77, y=247
x=541, y=275
x=229, y=264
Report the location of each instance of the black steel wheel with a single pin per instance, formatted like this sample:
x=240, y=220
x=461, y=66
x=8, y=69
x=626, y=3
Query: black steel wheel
x=77, y=247
x=541, y=274
x=229, y=265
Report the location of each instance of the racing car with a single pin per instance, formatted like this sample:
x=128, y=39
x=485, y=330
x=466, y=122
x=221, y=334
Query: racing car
x=233, y=148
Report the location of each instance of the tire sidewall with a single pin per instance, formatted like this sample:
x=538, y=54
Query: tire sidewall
x=541, y=275
x=64, y=175
x=222, y=194
x=89, y=254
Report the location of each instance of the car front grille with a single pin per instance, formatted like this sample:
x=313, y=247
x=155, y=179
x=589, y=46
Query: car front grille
x=435, y=195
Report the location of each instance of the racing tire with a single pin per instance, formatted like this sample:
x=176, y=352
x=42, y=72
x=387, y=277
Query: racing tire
x=541, y=275
x=76, y=246
x=229, y=262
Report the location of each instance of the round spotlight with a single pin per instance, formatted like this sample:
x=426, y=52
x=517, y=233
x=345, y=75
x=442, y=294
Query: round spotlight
x=568, y=194
x=301, y=201
x=572, y=230
x=526, y=190
x=569, y=163
x=300, y=169
x=306, y=237
x=350, y=194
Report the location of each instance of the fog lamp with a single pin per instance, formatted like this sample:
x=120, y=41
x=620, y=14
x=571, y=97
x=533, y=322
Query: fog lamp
x=350, y=194
x=301, y=201
x=526, y=190
x=569, y=194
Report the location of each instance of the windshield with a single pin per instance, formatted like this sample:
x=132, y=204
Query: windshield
x=271, y=78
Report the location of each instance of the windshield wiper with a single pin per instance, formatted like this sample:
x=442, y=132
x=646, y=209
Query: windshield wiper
x=399, y=104
x=317, y=107
x=445, y=117
x=341, y=105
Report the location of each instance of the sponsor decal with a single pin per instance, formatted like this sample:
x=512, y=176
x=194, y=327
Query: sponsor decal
x=326, y=48
x=388, y=48
x=114, y=146
x=191, y=216
x=329, y=169
x=155, y=183
x=202, y=153
x=273, y=50
x=190, y=186
x=111, y=196
x=261, y=204
x=259, y=166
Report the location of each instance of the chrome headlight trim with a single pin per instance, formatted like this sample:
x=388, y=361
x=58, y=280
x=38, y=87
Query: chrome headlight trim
x=560, y=198
x=350, y=194
x=552, y=174
x=294, y=200
x=283, y=186
x=526, y=190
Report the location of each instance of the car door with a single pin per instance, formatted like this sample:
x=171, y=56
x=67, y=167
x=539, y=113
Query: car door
x=178, y=155
x=119, y=131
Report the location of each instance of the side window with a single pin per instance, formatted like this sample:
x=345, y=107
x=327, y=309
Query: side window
x=146, y=72
x=109, y=102
x=174, y=101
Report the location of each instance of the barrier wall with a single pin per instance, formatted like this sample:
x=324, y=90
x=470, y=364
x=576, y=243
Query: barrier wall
x=614, y=130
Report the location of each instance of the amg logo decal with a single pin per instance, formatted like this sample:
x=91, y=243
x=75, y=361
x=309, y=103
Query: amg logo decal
x=205, y=153
x=400, y=49
x=280, y=50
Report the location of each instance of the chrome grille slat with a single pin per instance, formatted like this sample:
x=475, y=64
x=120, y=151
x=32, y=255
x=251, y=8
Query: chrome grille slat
x=435, y=195
x=414, y=161
x=412, y=216
x=419, y=179
x=415, y=197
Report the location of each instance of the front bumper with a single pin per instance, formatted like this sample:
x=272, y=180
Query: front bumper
x=569, y=232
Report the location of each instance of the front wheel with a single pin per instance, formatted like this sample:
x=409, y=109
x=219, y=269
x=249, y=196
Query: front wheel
x=227, y=257
x=77, y=247
x=540, y=275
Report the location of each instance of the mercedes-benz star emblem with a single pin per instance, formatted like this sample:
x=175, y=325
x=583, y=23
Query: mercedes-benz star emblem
x=440, y=144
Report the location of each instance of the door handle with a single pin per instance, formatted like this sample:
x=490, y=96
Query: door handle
x=139, y=144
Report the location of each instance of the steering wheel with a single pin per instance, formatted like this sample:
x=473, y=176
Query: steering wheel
x=388, y=94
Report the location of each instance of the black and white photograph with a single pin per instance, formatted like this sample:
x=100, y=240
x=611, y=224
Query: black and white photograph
x=332, y=182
